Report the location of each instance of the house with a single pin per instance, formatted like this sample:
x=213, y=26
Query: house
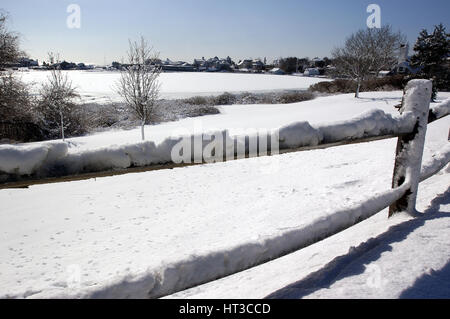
x=258, y=66
x=213, y=64
x=312, y=72
x=177, y=66
x=245, y=64
x=383, y=74
x=64, y=65
x=116, y=65
x=27, y=63
x=277, y=71
x=200, y=64
x=317, y=63
x=248, y=65
x=185, y=67
x=404, y=68
x=403, y=65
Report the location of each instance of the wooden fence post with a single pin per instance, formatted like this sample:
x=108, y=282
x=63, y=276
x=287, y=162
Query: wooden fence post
x=408, y=159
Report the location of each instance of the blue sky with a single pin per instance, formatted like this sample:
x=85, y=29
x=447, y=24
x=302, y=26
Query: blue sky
x=187, y=29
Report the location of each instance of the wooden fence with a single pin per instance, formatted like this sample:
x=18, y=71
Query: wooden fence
x=402, y=197
x=406, y=178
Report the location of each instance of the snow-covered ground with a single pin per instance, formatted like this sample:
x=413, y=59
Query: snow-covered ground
x=99, y=87
x=378, y=258
x=136, y=234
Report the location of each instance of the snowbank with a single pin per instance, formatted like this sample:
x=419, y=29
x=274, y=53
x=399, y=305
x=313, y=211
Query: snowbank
x=372, y=123
x=442, y=109
x=299, y=134
x=26, y=160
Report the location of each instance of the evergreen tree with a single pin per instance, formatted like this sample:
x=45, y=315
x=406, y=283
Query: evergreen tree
x=431, y=54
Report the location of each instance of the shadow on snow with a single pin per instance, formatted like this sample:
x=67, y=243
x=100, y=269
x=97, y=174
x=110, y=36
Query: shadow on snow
x=355, y=261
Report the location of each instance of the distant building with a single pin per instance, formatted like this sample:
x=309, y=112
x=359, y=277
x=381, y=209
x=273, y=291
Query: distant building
x=251, y=65
x=311, y=72
x=383, y=74
x=277, y=71
x=403, y=53
x=245, y=64
x=200, y=64
x=116, y=65
x=177, y=66
x=27, y=63
x=213, y=64
x=404, y=68
x=403, y=65
x=317, y=63
x=258, y=65
x=64, y=65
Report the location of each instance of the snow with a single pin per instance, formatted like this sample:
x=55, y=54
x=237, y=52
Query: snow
x=371, y=123
x=436, y=163
x=25, y=160
x=299, y=134
x=442, y=108
x=147, y=234
x=100, y=86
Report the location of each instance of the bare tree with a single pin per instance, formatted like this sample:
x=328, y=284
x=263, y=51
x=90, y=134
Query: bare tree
x=16, y=102
x=367, y=52
x=9, y=42
x=57, y=97
x=385, y=44
x=15, y=99
x=139, y=85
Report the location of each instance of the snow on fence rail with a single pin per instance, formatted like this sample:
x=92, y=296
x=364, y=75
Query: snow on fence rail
x=21, y=166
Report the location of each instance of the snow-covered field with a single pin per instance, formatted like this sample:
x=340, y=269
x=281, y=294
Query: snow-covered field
x=134, y=235
x=99, y=87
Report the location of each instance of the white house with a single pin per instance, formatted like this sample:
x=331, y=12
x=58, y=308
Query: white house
x=277, y=71
x=311, y=72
